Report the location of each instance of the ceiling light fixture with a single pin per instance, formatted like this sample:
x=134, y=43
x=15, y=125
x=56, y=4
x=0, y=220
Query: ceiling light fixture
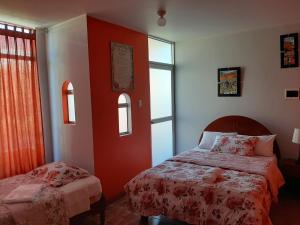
x=161, y=20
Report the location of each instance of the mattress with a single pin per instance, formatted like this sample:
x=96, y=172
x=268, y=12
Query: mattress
x=80, y=194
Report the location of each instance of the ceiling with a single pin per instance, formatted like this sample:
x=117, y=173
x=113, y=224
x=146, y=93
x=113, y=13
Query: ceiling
x=186, y=19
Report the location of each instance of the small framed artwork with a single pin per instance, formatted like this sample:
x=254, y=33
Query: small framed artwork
x=122, y=67
x=229, y=81
x=291, y=93
x=289, y=50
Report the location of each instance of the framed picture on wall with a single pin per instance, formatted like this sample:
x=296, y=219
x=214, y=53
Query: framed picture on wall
x=229, y=82
x=122, y=67
x=289, y=50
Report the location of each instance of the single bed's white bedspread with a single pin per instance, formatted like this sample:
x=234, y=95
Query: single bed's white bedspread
x=77, y=194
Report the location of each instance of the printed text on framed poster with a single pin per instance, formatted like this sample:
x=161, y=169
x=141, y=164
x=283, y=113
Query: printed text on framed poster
x=122, y=67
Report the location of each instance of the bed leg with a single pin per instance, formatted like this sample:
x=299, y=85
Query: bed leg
x=144, y=218
x=102, y=210
x=102, y=218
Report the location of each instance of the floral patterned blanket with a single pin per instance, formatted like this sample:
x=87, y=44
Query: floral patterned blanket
x=207, y=188
x=47, y=207
x=265, y=166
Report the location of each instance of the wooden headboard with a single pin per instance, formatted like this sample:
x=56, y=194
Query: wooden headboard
x=242, y=125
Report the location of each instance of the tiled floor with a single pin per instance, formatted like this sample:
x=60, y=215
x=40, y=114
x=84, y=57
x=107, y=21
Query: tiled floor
x=118, y=214
x=286, y=212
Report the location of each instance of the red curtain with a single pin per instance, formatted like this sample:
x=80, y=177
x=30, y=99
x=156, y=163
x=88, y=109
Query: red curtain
x=21, y=133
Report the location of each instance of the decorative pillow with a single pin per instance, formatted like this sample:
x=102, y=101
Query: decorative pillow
x=235, y=145
x=264, y=146
x=208, y=138
x=58, y=173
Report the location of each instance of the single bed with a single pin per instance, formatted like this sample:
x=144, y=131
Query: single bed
x=78, y=208
x=51, y=194
x=204, y=187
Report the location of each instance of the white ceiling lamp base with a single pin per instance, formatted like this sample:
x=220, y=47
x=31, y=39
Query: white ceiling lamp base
x=161, y=20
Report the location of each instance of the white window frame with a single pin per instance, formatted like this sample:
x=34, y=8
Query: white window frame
x=170, y=67
x=126, y=105
x=71, y=108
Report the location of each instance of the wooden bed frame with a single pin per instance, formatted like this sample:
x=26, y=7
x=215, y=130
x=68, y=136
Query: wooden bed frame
x=242, y=125
x=96, y=208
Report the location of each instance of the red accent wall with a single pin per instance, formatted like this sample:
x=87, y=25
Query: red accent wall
x=118, y=159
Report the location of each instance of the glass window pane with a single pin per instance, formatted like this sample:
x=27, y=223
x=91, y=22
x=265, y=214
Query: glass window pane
x=160, y=51
x=122, y=99
x=71, y=108
x=160, y=93
x=123, y=124
x=162, y=142
x=70, y=87
x=10, y=27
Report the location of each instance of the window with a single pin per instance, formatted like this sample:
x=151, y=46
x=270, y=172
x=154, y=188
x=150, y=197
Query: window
x=68, y=103
x=161, y=51
x=161, y=56
x=21, y=130
x=23, y=39
x=124, y=110
x=16, y=28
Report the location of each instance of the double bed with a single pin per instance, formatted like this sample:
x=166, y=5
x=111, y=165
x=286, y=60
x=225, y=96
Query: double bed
x=200, y=186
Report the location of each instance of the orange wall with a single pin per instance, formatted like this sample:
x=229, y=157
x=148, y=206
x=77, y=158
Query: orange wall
x=118, y=159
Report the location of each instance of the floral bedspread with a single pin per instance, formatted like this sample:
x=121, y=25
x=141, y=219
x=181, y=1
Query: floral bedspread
x=265, y=166
x=209, y=192
x=47, y=208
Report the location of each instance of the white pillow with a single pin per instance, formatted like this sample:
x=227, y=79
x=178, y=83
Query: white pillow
x=264, y=146
x=209, y=137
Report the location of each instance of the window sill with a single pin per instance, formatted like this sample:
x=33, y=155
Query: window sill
x=70, y=123
x=124, y=134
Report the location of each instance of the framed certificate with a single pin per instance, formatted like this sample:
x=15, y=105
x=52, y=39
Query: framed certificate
x=122, y=67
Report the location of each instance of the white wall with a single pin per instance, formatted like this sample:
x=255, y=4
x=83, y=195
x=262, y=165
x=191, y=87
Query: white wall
x=67, y=47
x=263, y=84
x=44, y=90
